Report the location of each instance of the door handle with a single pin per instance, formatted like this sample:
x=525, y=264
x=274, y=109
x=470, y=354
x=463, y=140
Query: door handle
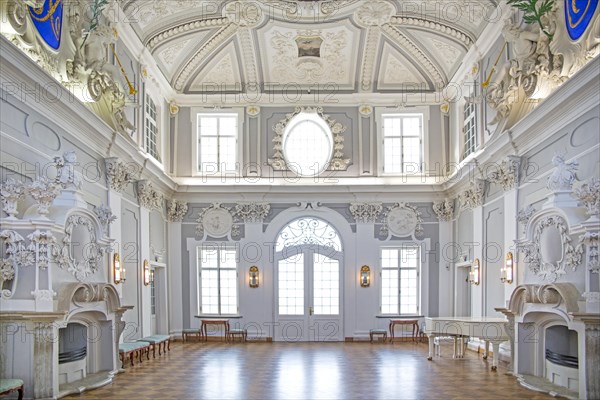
x=311, y=311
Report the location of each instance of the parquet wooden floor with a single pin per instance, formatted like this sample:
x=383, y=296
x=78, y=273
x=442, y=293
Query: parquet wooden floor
x=310, y=371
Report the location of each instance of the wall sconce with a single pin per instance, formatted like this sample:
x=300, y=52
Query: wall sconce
x=365, y=276
x=507, y=273
x=475, y=274
x=118, y=270
x=253, y=276
x=146, y=273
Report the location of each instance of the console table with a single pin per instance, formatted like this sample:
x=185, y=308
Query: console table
x=413, y=322
x=205, y=322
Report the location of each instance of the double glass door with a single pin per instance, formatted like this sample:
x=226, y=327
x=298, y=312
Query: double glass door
x=308, y=295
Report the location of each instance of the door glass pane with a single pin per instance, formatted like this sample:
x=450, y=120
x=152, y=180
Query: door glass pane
x=326, y=285
x=291, y=285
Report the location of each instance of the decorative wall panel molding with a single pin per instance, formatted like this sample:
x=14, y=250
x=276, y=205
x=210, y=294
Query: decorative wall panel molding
x=444, y=210
x=337, y=163
x=401, y=220
x=176, y=210
x=366, y=212
x=506, y=173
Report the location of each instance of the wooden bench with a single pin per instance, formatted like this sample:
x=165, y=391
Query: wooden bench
x=133, y=348
x=11, y=385
x=242, y=333
x=191, y=332
x=162, y=341
x=381, y=332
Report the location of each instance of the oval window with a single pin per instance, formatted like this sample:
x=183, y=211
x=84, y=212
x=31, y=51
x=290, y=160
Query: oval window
x=307, y=145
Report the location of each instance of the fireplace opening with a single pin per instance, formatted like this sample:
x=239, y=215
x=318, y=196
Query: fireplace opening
x=561, y=357
x=72, y=353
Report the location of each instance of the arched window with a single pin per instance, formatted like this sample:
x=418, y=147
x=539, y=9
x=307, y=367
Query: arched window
x=307, y=144
x=308, y=230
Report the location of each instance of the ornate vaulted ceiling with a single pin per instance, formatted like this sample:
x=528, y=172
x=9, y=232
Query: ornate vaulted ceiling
x=345, y=45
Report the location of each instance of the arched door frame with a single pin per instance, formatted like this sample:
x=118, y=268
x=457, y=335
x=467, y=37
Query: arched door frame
x=347, y=258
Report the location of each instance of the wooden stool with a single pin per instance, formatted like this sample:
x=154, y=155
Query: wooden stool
x=381, y=332
x=191, y=332
x=242, y=333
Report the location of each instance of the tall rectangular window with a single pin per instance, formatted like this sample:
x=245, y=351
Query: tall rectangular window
x=402, y=143
x=151, y=129
x=217, y=142
x=470, y=128
x=218, y=280
x=400, y=283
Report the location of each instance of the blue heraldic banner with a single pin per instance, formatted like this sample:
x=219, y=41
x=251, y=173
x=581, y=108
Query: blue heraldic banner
x=578, y=14
x=48, y=21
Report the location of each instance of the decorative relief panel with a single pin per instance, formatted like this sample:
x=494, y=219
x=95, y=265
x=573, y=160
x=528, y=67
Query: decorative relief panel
x=473, y=197
x=216, y=221
x=105, y=215
x=337, y=163
x=563, y=175
x=589, y=195
x=444, y=210
x=148, y=197
x=176, y=210
x=119, y=174
x=80, y=230
x=549, y=252
x=507, y=173
x=366, y=212
x=401, y=220
x=251, y=212
x=11, y=192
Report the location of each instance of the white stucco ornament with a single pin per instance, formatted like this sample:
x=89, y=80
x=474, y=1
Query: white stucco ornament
x=217, y=222
x=402, y=222
x=375, y=13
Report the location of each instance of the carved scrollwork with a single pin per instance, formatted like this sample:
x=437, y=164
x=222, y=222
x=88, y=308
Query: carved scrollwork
x=88, y=262
x=337, y=163
x=551, y=270
x=366, y=212
x=251, y=212
x=65, y=171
